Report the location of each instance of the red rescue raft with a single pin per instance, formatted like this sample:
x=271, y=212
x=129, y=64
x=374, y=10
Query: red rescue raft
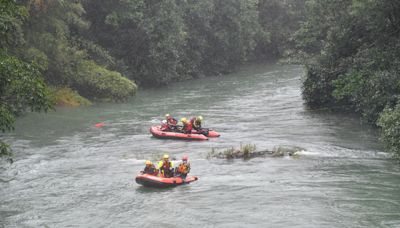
x=161, y=182
x=158, y=133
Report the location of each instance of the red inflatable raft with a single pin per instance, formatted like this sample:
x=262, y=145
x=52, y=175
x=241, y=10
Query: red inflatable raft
x=158, y=133
x=161, y=182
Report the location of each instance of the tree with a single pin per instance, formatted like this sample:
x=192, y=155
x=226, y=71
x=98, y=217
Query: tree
x=21, y=84
x=351, y=50
x=146, y=36
x=278, y=20
x=54, y=34
x=157, y=42
x=389, y=121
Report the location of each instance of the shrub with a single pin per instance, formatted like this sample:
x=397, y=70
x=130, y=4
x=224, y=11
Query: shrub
x=96, y=81
x=5, y=150
x=389, y=121
x=68, y=97
x=247, y=149
x=317, y=86
x=367, y=91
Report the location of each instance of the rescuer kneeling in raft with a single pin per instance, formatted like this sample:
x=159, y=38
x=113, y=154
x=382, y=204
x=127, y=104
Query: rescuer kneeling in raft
x=196, y=122
x=171, y=122
x=150, y=169
x=187, y=126
x=184, y=168
x=166, y=167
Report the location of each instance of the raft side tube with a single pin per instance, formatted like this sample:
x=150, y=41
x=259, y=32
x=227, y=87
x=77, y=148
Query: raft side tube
x=161, y=182
x=158, y=133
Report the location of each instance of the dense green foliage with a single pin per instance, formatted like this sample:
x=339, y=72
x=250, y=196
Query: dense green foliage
x=21, y=84
x=150, y=42
x=352, y=55
x=68, y=98
x=157, y=42
x=21, y=87
x=279, y=21
x=389, y=121
x=54, y=39
x=99, y=82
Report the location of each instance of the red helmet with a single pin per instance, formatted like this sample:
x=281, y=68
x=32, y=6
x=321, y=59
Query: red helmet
x=184, y=158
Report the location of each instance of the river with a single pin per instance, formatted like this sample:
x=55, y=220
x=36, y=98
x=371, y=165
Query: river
x=67, y=173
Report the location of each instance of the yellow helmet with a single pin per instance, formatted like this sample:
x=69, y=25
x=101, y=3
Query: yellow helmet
x=167, y=115
x=166, y=156
x=200, y=118
x=148, y=162
x=183, y=120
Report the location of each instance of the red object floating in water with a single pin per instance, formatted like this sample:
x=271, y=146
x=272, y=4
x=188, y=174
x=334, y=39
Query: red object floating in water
x=99, y=125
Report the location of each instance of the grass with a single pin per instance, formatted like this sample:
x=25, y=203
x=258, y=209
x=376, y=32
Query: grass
x=248, y=151
x=245, y=151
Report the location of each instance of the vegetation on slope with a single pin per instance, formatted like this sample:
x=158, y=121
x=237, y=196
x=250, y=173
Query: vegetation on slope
x=352, y=56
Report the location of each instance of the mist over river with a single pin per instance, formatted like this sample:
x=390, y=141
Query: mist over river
x=67, y=173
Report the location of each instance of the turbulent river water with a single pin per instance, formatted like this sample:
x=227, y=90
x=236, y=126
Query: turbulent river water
x=68, y=173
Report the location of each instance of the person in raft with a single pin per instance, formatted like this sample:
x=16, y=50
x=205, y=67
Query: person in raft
x=184, y=168
x=196, y=122
x=166, y=167
x=169, y=123
x=186, y=126
x=150, y=169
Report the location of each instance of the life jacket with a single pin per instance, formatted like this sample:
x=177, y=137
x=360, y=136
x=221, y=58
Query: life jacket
x=164, y=165
x=151, y=170
x=184, y=168
x=188, y=127
x=172, y=121
x=167, y=165
x=165, y=168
